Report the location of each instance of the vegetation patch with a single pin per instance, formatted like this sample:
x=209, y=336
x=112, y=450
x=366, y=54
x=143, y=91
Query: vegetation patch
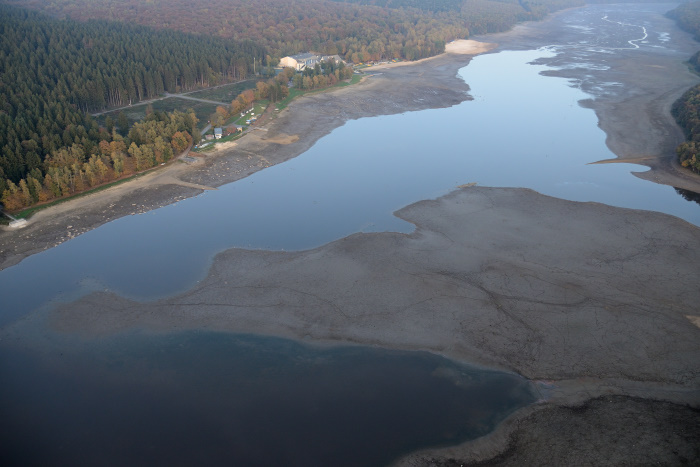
x=225, y=93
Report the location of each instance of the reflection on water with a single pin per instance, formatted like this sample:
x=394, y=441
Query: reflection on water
x=522, y=129
x=203, y=398
x=688, y=195
x=211, y=399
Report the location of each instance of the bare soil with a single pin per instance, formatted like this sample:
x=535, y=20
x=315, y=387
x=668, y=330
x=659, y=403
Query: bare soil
x=598, y=304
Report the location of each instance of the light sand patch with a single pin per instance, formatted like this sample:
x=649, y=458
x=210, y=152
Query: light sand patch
x=167, y=179
x=458, y=47
x=283, y=138
x=624, y=160
x=225, y=146
x=694, y=319
x=468, y=47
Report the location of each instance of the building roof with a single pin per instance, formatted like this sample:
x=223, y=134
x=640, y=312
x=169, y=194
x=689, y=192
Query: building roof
x=304, y=56
x=218, y=130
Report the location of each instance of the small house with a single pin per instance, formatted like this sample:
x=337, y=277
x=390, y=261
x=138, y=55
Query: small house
x=218, y=132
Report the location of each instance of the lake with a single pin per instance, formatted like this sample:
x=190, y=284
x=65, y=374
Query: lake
x=203, y=398
x=522, y=129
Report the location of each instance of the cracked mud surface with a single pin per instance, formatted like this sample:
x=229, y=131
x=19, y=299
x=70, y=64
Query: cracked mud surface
x=603, y=431
x=490, y=275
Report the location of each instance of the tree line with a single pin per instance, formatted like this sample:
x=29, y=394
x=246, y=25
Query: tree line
x=283, y=27
x=358, y=30
x=52, y=72
x=686, y=110
x=72, y=169
x=320, y=76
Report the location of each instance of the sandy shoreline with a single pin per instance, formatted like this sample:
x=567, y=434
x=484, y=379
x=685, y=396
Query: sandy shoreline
x=502, y=277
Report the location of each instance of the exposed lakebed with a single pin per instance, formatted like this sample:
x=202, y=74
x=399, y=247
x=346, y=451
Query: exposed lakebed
x=522, y=130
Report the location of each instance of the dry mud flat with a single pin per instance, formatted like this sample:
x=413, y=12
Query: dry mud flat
x=633, y=87
x=598, y=301
x=593, y=299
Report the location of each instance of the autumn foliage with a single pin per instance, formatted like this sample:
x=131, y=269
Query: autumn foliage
x=687, y=113
x=71, y=170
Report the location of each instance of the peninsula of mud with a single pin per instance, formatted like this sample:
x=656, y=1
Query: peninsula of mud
x=598, y=304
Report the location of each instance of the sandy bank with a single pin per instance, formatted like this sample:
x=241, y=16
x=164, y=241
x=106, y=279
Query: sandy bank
x=457, y=47
x=490, y=275
x=469, y=47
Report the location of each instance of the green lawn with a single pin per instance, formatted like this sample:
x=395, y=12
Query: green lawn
x=294, y=92
x=258, y=108
x=225, y=93
x=136, y=113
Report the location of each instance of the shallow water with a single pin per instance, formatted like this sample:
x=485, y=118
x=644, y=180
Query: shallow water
x=522, y=129
x=147, y=400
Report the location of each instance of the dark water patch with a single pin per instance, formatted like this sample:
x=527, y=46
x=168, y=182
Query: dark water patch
x=211, y=398
x=688, y=195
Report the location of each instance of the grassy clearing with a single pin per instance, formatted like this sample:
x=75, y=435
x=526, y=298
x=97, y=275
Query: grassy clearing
x=225, y=93
x=294, y=93
x=137, y=113
x=258, y=108
x=203, y=111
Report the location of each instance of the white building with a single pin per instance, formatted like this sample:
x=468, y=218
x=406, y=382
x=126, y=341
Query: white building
x=300, y=61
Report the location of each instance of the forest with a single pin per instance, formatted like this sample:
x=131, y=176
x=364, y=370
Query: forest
x=52, y=72
x=686, y=110
x=687, y=16
x=73, y=169
x=78, y=56
x=358, y=30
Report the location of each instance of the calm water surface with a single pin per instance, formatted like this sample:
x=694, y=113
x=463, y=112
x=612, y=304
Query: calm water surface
x=202, y=398
x=522, y=130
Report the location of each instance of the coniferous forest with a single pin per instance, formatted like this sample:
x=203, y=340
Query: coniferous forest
x=358, y=30
x=55, y=71
x=80, y=56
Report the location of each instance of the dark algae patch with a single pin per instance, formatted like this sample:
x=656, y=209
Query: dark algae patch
x=213, y=398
